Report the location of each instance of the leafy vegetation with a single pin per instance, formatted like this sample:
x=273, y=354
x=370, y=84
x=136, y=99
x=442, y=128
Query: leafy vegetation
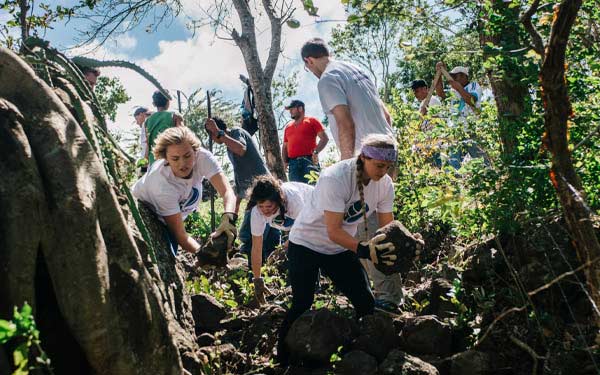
x=21, y=333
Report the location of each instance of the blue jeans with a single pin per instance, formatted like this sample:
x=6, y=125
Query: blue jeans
x=271, y=238
x=299, y=167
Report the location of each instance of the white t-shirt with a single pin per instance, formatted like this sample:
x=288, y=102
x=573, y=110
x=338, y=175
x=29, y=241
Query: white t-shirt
x=464, y=109
x=345, y=84
x=296, y=194
x=434, y=101
x=168, y=194
x=143, y=141
x=337, y=191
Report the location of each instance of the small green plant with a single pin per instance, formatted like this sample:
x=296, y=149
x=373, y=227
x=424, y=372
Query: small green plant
x=220, y=291
x=419, y=306
x=456, y=296
x=22, y=329
x=337, y=356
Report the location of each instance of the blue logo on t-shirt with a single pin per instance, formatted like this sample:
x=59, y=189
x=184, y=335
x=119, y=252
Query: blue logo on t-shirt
x=191, y=202
x=284, y=223
x=354, y=212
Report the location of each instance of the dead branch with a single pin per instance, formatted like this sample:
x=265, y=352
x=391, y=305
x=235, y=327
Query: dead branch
x=562, y=276
x=529, y=350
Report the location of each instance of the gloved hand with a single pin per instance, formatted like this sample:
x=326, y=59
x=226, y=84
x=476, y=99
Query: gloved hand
x=227, y=226
x=260, y=291
x=394, y=249
x=377, y=251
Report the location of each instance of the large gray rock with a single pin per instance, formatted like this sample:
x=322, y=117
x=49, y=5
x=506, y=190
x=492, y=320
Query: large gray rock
x=400, y=363
x=207, y=312
x=471, y=362
x=377, y=336
x=317, y=334
x=357, y=362
x=426, y=335
x=260, y=336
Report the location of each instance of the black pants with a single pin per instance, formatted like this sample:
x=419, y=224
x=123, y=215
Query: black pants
x=344, y=269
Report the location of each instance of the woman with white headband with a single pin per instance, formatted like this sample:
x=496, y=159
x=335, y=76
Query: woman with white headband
x=323, y=235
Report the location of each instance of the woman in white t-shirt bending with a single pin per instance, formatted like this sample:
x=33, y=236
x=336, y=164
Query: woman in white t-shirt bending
x=323, y=235
x=173, y=185
x=277, y=204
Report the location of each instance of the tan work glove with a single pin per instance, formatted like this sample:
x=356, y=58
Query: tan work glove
x=377, y=251
x=227, y=226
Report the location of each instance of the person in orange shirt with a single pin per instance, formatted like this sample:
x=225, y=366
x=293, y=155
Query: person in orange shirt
x=300, y=150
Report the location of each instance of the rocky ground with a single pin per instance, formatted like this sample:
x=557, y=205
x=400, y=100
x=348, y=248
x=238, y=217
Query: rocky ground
x=466, y=312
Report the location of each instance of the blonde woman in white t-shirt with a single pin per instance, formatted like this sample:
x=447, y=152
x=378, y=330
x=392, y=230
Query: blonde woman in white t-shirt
x=173, y=186
x=276, y=204
x=323, y=235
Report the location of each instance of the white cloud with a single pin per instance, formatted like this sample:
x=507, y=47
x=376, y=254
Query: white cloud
x=205, y=62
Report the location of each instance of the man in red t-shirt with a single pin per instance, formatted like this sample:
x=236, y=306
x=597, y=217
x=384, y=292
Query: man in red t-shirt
x=300, y=149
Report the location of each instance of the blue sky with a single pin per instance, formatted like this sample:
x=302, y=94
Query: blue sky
x=180, y=60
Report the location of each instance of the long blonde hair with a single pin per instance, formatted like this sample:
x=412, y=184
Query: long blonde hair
x=374, y=140
x=174, y=136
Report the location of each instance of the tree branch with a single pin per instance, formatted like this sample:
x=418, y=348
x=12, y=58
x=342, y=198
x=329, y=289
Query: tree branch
x=275, y=48
x=536, y=38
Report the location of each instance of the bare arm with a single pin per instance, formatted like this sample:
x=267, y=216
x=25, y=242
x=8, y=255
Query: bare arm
x=176, y=227
x=439, y=87
x=284, y=154
x=384, y=218
x=323, y=139
x=257, y=243
x=220, y=183
x=346, y=131
x=469, y=99
x=333, y=221
x=236, y=147
x=177, y=120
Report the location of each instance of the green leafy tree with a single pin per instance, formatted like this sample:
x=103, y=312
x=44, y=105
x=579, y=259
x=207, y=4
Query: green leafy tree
x=373, y=46
x=110, y=93
x=32, y=19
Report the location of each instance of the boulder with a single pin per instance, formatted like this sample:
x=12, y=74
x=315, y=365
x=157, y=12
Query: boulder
x=317, y=334
x=471, y=362
x=213, y=252
x=377, y=336
x=357, y=362
x=398, y=362
x=207, y=312
x=426, y=335
x=261, y=335
x=405, y=245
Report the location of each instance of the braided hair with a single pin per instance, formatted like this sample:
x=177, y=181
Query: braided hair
x=266, y=188
x=375, y=140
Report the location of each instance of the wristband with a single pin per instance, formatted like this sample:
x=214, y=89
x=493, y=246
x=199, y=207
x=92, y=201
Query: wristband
x=363, y=251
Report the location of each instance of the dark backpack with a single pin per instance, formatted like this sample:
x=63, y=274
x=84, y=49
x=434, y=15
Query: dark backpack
x=249, y=115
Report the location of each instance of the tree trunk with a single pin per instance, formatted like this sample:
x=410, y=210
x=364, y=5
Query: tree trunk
x=563, y=175
x=261, y=79
x=24, y=7
x=508, y=80
x=66, y=246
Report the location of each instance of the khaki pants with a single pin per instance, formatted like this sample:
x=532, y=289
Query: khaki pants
x=387, y=288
